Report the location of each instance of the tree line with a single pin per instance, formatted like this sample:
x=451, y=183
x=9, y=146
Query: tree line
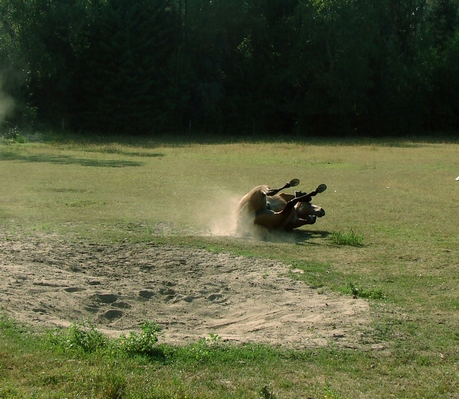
x=302, y=66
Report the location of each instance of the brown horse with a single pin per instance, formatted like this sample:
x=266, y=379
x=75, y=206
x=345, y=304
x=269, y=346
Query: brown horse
x=267, y=208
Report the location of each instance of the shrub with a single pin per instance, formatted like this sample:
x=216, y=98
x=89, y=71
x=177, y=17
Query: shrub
x=79, y=337
x=203, y=349
x=142, y=343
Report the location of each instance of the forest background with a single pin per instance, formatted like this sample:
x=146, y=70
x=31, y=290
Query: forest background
x=145, y=67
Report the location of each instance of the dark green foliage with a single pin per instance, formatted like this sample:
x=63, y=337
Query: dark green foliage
x=127, y=62
x=39, y=52
x=145, y=66
x=332, y=69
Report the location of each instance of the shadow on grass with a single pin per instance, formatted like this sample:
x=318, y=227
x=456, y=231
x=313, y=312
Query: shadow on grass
x=179, y=139
x=304, y=235
x=133, y=154
x=69, y=160
x=298, y=237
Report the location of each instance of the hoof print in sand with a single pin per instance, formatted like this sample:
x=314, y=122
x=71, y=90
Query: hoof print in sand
x=112, y=314
x=107, y=298
x=74, y=289
x=146, y=294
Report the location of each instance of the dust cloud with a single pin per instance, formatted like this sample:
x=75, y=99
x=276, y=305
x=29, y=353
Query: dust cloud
x=6, y=104
x=219, y=216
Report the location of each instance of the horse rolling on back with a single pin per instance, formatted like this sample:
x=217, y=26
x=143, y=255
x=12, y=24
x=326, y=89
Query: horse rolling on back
x=266, y=208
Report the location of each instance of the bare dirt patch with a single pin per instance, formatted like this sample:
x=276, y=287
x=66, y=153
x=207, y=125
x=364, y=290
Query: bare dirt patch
x=191, y=293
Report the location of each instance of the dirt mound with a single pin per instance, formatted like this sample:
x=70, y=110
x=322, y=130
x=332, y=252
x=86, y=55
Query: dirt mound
x=191, y=293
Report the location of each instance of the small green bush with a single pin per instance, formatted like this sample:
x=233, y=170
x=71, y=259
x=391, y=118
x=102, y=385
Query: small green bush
x=79, y=337
x=11, y=133
x=142, y=343
x=202, y=350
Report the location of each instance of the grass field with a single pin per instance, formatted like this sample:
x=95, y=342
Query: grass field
x=399, y=198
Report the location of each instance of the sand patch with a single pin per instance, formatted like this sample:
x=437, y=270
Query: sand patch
x=191, y=293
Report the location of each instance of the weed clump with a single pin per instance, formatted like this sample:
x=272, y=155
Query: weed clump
x=349, y=238
x=143, y=343
x=86, y=338
x=79, y=337
x=365, y=293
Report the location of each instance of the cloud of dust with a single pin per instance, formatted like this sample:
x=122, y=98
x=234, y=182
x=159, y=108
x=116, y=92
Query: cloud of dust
x=222, y=219
x=218, y=214
x=6, y=104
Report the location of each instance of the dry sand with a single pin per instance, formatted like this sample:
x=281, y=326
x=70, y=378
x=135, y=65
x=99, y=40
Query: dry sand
x=190, y=293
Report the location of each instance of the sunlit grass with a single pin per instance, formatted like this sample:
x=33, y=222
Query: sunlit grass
x=399, y=200
x=43, y=367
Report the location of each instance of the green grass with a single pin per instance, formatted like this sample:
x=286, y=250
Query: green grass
x=349, y=238
x=37, y=366
x=399, y=196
